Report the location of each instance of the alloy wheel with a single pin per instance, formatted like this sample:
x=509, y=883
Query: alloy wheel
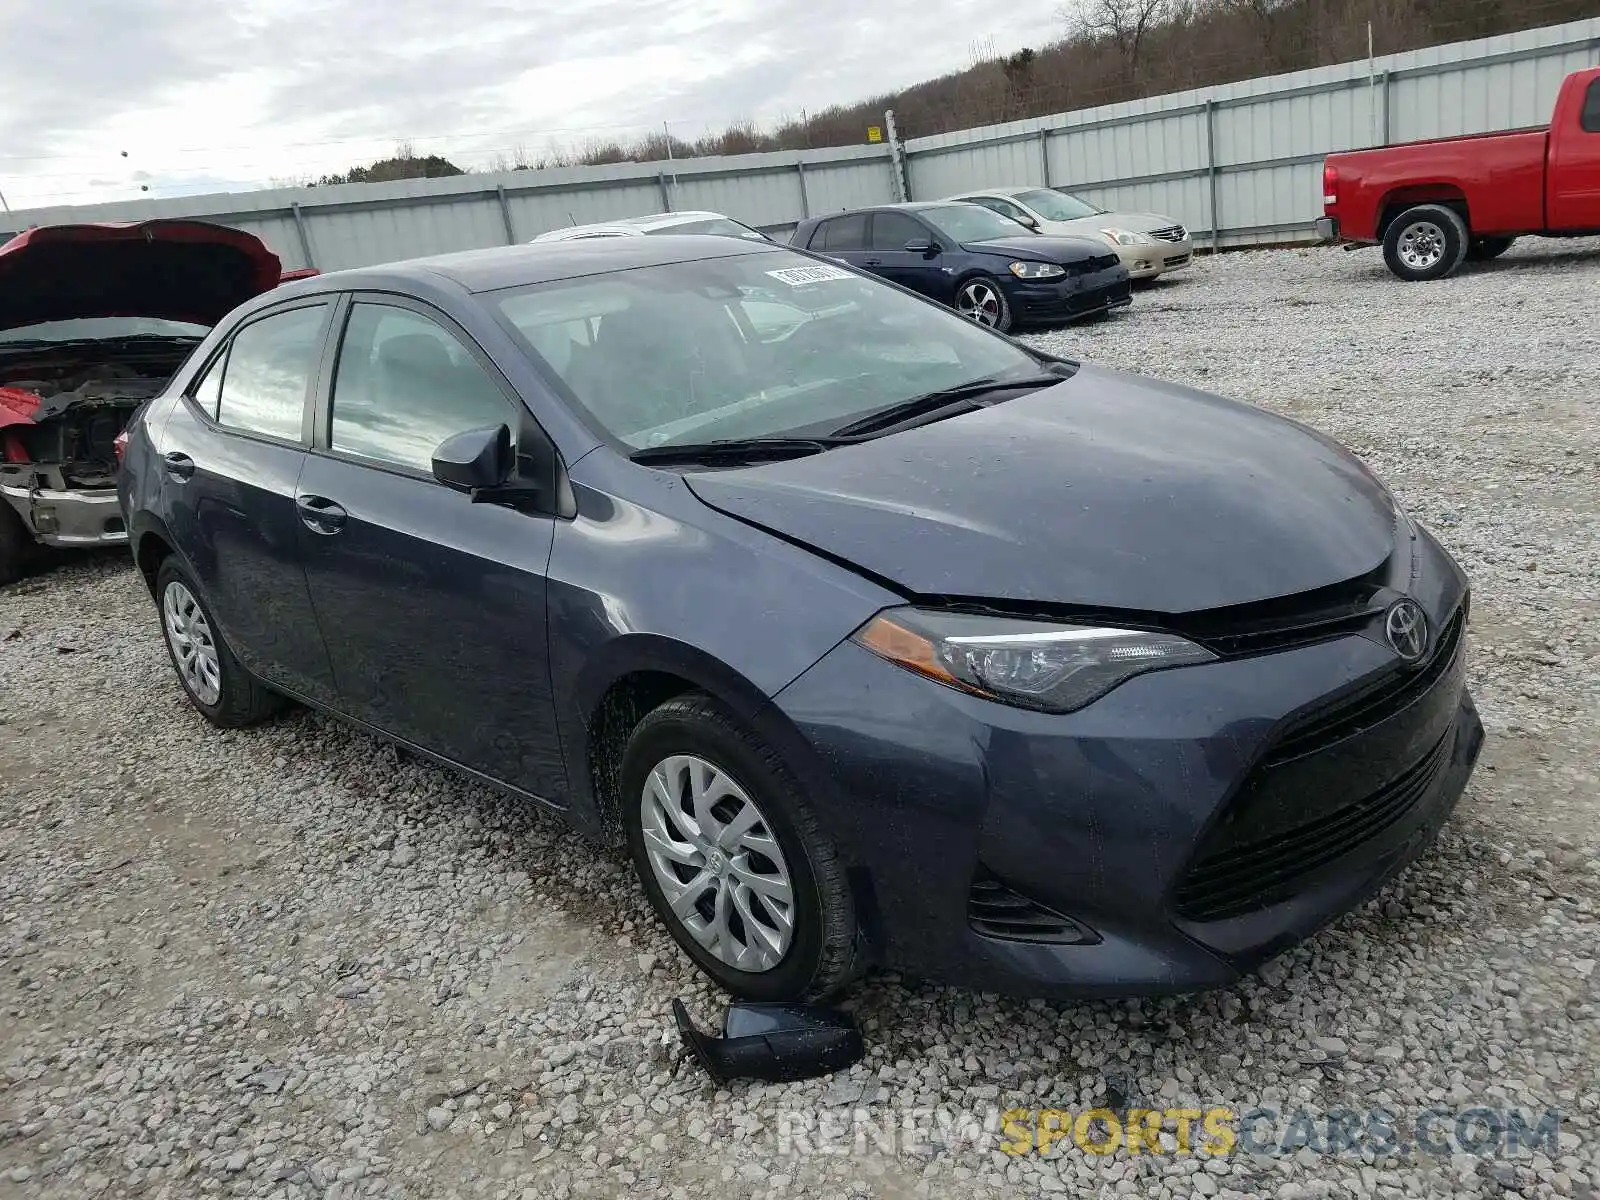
x=1421, y=245
x=979, y=302
x=194, y=648
x=719, y=867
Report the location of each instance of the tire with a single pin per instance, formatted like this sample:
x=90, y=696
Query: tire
x=691, y=739
x=980, y=299
x=1426, y=242
x=16, y=544
x=221, y=690
x=1485, y=248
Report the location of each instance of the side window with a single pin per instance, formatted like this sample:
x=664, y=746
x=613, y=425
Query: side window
x=892, y=230
x=844, y=233
x=268, y=373
x=1004, y=207
x=1589, y=119
x=403, y=385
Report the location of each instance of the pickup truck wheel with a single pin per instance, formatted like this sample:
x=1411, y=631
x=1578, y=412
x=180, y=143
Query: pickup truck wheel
x=1425, y=242
x=15, y=544
x=1483, y=249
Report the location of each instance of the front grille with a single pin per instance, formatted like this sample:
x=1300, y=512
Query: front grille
x=1088, y=266
x=996, y=911
x=1172, y=233
x=1250, y=875
x=1350, y=714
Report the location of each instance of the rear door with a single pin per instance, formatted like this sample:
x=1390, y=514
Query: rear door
x=433, y=607
x=888, y=256
x=1574, y=168
x=232, y=453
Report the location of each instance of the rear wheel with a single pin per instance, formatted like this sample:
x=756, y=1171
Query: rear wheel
x=1484, y=248
x=980, y=299
x=221, y=690
x=1426, y=242
x=732, y=859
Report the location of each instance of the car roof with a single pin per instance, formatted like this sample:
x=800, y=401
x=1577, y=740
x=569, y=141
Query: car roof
x=540, y=262
x=640, y=224
x=997, y=191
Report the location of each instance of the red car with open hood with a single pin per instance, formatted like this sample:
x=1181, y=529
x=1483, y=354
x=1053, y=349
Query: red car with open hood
x=94, y=319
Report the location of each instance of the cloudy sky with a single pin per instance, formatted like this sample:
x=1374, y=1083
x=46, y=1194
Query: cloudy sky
x=101, y=96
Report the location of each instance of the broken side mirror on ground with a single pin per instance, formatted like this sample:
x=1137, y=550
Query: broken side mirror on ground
x=776, y=1043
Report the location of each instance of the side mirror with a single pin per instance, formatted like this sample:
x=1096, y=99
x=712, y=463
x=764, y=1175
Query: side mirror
x=926, y=247
x=474, y=460
x=777, y=1043
x=1030, y=222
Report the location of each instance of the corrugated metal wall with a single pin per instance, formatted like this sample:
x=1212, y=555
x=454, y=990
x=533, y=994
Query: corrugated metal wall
x=1243, y=160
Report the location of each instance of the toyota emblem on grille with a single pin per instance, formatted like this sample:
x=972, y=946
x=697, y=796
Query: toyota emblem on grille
x=1407, y=630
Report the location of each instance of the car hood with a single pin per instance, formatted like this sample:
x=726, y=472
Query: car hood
x=1042, y=248
x=173, y=270
x=1106, y=491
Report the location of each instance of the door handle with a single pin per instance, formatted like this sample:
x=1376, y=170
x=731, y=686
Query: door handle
x=872, y=262
x=179, y=465
x=319, y=514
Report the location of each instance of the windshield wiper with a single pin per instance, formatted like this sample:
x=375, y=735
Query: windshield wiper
x=934, y=402
x=738, y=449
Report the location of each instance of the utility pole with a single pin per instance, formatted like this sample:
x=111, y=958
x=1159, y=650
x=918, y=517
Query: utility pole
x=3, y=203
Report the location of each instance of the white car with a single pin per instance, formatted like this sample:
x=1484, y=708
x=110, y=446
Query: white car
x=1148, y=244
x=673, y=222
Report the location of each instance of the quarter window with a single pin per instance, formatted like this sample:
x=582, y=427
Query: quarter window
x=404, y=384
x=267, y=374
x=208, y=391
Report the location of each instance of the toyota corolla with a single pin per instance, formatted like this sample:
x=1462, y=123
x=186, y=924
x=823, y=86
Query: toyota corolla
x=876, y=636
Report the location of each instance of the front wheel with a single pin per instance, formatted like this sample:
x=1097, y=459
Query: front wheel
x=732, y=859
x=1426, y=242
x=981, y=300
x=15, y=544
x=1484, y=248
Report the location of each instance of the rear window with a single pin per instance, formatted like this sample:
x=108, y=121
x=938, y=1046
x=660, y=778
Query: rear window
x=1590, y=117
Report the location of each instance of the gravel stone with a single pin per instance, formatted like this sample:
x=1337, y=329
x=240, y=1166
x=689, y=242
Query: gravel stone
x=274, y=962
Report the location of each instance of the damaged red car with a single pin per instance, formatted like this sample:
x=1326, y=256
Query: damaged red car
x=94, y=319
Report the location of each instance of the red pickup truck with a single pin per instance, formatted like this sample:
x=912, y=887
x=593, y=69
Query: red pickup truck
x=1433, y=205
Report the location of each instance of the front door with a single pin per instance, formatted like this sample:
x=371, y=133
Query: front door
x=1574, y=167
x=912, y=269
x=233, y=449
x=433, y=607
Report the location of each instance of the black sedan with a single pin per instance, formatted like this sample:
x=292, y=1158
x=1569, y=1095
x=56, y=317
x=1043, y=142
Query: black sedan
x=985, y=266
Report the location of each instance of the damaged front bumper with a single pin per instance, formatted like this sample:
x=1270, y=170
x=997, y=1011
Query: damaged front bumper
x=68, y=516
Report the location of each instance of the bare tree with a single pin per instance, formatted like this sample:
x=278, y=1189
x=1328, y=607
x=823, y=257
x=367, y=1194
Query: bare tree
x=1126, y=24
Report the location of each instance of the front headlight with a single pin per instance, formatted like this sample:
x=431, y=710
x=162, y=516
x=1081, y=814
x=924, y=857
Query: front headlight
x=1036, y=270
x=1125, y=237
x=1030, y=664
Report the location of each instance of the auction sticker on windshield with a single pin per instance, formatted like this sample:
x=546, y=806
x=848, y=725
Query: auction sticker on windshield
x=800, y=276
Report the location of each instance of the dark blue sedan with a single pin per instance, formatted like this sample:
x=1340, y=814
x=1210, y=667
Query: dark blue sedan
x=875, y=636
x=987, y=267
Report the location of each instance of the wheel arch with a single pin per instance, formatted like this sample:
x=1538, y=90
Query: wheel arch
x=1443, y=192
x=153, y=543
x=636, y=674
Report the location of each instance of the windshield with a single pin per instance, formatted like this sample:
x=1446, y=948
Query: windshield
x=721, y=225
x=102, y=327
x=972, y=223
x=756, y=345
x=1055, y=205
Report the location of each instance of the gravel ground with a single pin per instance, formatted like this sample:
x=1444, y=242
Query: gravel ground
x=289, y=962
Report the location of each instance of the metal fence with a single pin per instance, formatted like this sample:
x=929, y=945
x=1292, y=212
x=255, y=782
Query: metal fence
x=1239, y=163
